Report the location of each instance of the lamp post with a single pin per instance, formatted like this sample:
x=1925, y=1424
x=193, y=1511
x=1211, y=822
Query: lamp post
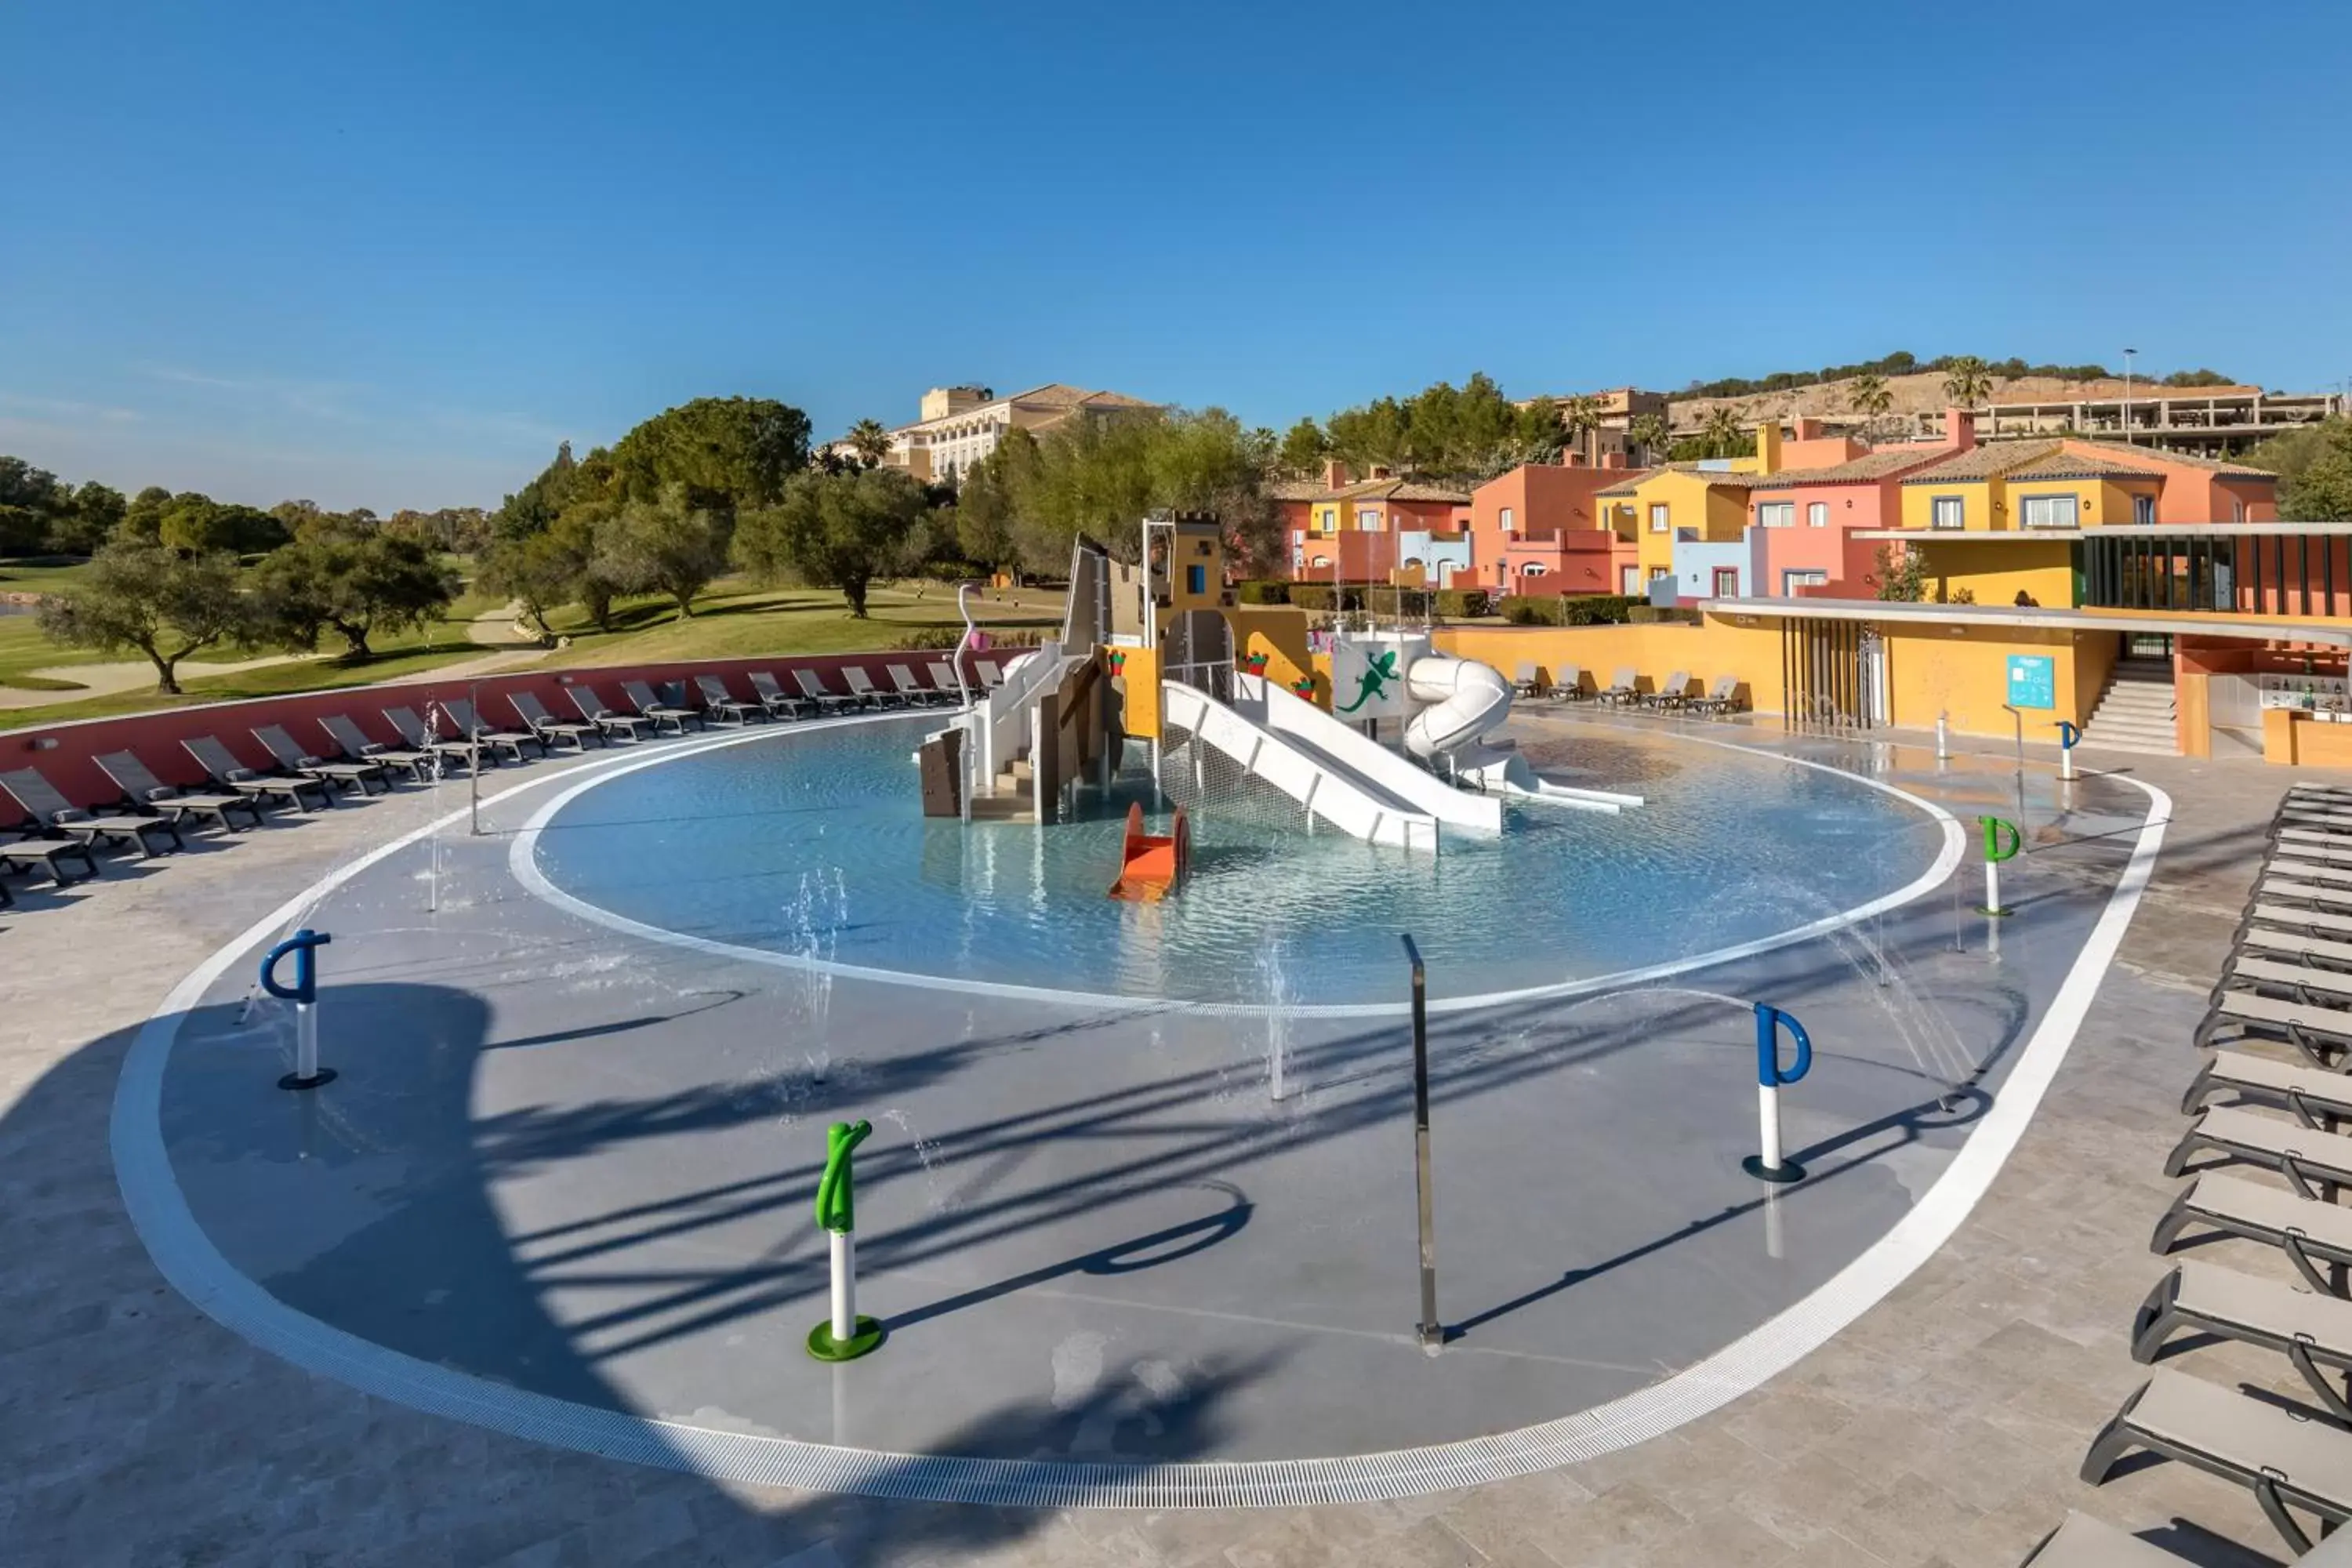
x=2127, y=397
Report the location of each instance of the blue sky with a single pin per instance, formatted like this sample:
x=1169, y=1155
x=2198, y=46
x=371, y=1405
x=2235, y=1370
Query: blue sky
x=389, y=254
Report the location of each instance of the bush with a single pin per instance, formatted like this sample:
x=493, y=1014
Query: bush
x=1310, y=595
x=1602, y=609
x=925, y=638
x=1464, y=604
x=1656, y=614
x=1264, y=592
x=1532, y=610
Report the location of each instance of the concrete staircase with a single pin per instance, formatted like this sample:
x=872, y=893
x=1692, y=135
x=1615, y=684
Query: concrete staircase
x=2135, y=712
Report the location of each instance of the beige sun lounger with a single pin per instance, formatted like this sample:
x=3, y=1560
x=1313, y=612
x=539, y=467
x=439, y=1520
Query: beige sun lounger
x=1671, y=692
x=2335, y=873
x=2317, y=1097
x=2296, y=982
x=1624, y=687
x=2295, y=1151
x=2287, y=890
x=52, y=813
x=2085, y=1542
x=2303, y=922
x=1525, y=680
x=2283, y=833
x=2309, y=1232
x=2314, y=1029
x=1568, y=684
x=2311, y=1331
x=2312, y=951
x=1723, y=696
x=2285, y=1457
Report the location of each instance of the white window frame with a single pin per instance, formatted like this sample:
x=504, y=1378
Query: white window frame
x=1776, y=514
x=1715, y=581
x=2063, y=503
x=1661, y=517
x=1368, y=520
x=1817, y=514
x=2144, y=511
x=1505, y=517
x=1320, y=560
x=1532, y=569
x=1795, y=577
x=1960, y=505
x=1330, y=519
x=1629, y=580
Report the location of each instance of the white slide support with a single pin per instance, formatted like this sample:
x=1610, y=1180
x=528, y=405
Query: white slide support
x=1320, y=783
x=1466, y=699
x=1349, y=749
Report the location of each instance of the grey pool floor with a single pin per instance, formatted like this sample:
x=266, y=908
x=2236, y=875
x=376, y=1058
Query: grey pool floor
x=1942, y=1428
x=574, y=1161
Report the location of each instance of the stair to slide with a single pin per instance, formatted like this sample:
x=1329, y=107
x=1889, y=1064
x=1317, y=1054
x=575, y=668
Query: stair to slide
x=2137, y=712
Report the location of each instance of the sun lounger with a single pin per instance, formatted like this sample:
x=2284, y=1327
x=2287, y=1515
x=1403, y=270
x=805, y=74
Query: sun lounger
x=424, y=737
x=911, y=690
x=2085, y=1542
x=552, y=730
x=715, y=700
x=991, y=676
x=1525, y=680
x=2311, y=1331
x=861, y=686
x=812, y=689
x=2284, y=1457
x=346, y=733
x=1623, y=686
x=52, y=813
x=2295, y=1151
x=511, y=742
x=2287, y=890
x=609, y=721
x=2311, y=1233
x=1568, y=684
x=1672, y=692
x=943, y=681
x=2296, y=947
x=776, y=699
x=142, y=788
x=2302, y=923
x=2338, y=818
x=651, y=705
x=2307, y=1025
x=2294, y=982
x=227, y=772
x=2318, y=1097
x=1721, y=698
x=50, y=854
x=2333, y=873
x=294, y=759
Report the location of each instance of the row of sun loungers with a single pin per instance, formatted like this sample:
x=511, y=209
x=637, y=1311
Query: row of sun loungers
x=152, y=817
x=2287, y=980
x=1674, y=694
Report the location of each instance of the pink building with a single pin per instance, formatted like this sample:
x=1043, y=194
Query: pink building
x=1803, y=517
x=1535, y=529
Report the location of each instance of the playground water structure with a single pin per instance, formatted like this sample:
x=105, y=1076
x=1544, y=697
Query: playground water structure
x=1734, y=848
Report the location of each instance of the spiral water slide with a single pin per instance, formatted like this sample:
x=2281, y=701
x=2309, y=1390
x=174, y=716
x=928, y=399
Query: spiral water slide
x=1464, y=701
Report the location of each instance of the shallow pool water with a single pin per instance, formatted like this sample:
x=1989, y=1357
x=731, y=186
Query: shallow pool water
x=814, y=844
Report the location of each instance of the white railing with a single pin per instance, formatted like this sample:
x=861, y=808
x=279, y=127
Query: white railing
x=1008, y=713
x=1350, y=748
x=1321, y=787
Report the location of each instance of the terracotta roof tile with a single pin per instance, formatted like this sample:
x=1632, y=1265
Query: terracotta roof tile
x=1983, y=462
x=2065, y=464
x=2147, y=457
x=1879, y=465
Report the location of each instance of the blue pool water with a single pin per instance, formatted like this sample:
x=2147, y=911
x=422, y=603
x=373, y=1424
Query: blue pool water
x=815, y=844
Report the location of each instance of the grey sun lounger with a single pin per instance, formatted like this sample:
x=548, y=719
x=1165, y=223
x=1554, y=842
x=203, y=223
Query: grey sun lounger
x=1568, y=684
x=2285, y=1457
x=1720, y=698
x=53, y=812
x=812, y=687
x=861, y=686
x=50, y=854
x=991, y=675
x=1624, y=687
x=2296, y=982
x=776, y=699
x=2086, y=1543
x=2310, y=1330
x=651, y=705
x=609, y=721
x=2297, y=947
x=909, y=690
x=2310, y=1028
x=943, y=681
x=2334, y=872
x=729, y=710
x=415, y=731
x=552, y=730
x=2317, y=1098
x=2303, y=922
x=1672, y=692
x=345, y=732
x=2315, y=895
x=294, y=759
x=1525, y=680
x=2295, y=1151
x=142, y=788
x=2311, y=1233
x=220, y=764
x=511, y=742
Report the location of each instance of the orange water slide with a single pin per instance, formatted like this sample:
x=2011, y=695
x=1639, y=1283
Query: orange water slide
x=1151, y=867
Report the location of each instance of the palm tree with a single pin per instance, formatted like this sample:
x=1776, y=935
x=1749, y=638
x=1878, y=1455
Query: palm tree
x=1581, y=416
x=1866, y=394
x=1967, y=381
x=871, y=441
x=1723, y=433
x=1653, y=434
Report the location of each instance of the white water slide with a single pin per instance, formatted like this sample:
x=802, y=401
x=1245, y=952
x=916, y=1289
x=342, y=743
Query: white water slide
x=1323, y=785
x=1464, y=700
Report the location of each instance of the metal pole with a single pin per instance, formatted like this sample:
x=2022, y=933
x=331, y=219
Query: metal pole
x=844, y=1285
x=1430, y=1333
x=473, y=762
x=1943, y=739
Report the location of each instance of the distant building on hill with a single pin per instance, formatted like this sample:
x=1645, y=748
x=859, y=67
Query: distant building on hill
x=960, y=425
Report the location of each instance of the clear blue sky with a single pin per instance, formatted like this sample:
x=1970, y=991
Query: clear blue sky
x=389, y=254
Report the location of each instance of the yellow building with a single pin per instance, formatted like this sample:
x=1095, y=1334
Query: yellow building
x=1679, y=502
x=2021, y=486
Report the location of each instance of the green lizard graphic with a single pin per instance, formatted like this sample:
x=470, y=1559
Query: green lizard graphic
x=1378, y=673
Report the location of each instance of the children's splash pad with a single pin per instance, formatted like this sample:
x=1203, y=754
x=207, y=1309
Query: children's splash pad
x=813, y=848
x=1127, y=1246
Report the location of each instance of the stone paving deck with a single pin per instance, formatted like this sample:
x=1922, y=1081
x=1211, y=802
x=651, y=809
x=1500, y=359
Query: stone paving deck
x=1943, y=1428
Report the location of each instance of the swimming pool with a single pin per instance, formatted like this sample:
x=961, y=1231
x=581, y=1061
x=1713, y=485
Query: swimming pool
x=810, y=844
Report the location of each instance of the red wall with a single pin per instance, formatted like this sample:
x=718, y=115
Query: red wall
x=156, y=737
